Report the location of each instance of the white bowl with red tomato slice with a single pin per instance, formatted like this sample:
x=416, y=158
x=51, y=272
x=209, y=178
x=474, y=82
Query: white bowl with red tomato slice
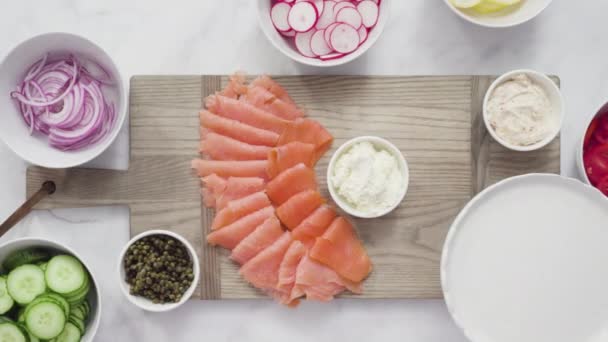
x=593, y=151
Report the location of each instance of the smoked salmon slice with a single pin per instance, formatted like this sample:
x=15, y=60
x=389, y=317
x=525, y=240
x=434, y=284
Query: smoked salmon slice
x=237, y=130
x=229, y=168
x=267, y=101
x=299, y=207
x=246, y=113
x=240, y=208
x=320, y=282
x=314, y=225
x=310, y=132
x=290, y=182
x=236, y=86
x=263, y=236
x=262, y=271
x=230, y=235
x=219, y=147
x=213, y=187
x=239, y=187
x=218, y=192
x=272, y=86
x=284, y=157
x=340, y=249
x=287, y=271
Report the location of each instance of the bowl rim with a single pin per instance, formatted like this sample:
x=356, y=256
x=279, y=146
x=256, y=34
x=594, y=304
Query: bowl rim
x=404, y=166
x=152, y=307
x=315, y=62
x=122, y=111
x=552, y=88
x=476, y=21
x=92, y=326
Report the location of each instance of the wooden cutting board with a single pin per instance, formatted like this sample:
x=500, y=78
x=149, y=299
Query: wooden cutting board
x=435, y=121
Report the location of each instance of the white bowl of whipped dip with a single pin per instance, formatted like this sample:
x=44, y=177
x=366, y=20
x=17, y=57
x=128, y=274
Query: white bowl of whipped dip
x=523, y=110
x=368, y=177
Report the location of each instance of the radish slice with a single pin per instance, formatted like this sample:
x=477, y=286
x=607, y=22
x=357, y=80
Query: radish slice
x=303, y=16
x=290, y=33
x=327, y=16
x=344, y=38
x=318, y=45
x=369, y=12
x=341, y=5
x=328, y=32
x=288, y=1
x=362, y=34
x=319, y=4
x=303, y=43
x=278, y=15
x=350, y=16
x=331, y=56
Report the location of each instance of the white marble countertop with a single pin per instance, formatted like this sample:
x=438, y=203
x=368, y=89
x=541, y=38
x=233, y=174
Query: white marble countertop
x=218, y=37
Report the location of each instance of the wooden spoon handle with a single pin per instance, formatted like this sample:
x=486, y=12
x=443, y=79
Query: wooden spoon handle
x=47, y=188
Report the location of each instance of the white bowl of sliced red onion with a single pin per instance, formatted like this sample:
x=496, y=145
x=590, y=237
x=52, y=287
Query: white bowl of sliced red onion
x=63, y=100
x=323, y=32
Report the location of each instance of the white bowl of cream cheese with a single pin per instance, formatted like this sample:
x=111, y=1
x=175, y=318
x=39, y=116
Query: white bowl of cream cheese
x=368, y=177
x=523, y=110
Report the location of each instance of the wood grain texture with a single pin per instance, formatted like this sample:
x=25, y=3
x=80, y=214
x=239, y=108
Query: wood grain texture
x=434, y=121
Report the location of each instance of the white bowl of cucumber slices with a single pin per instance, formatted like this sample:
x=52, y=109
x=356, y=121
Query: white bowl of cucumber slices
x=46, y=293
x=498, y=13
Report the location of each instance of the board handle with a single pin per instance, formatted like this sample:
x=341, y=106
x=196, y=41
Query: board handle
x=47, y=188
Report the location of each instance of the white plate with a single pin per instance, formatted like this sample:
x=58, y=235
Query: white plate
x=526, y=261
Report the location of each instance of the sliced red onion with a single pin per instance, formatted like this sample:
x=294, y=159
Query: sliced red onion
x=65, y=101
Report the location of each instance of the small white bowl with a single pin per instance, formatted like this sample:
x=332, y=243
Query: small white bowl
x=603, y=110
x=379, y=143
x=286, y=46
x=15, y=132
x=517, y=15
x=555, y=98
x=94, y=296
x=144, y=303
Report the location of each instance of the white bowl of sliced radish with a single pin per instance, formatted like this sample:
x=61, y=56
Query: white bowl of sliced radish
x=323, y=32
x=46, y=293
x=62, y=100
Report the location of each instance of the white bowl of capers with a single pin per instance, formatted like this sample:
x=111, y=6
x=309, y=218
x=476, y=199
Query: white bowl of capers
x=159, y=270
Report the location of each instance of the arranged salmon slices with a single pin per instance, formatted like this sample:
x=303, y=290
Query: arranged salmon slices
x=269, y=102
x=256, y=165
x=237, y=130
x=340, y=248
x=314, y=225
x=239, y=208
x=284, y=157
x=310, y=132
x=299, y=207
x=263, y=236
x=291, y=182
x=229, y=236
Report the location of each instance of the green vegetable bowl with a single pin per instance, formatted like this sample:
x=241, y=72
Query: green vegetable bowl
x=150, y=280
x=41, y=278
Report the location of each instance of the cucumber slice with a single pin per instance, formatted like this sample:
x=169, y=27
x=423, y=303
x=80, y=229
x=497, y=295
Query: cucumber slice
x=81, y=291
x=25, y=256
x=32, y=337
x=43, y=265
x=57, y=299
x=21, y=315
x=86, y=308
x=69, y=334
x=6, y=301
x=25, y=283
x=45, y=320
x=79, y=313
x=10, y=332
x=78, y=323
x=65, y=274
